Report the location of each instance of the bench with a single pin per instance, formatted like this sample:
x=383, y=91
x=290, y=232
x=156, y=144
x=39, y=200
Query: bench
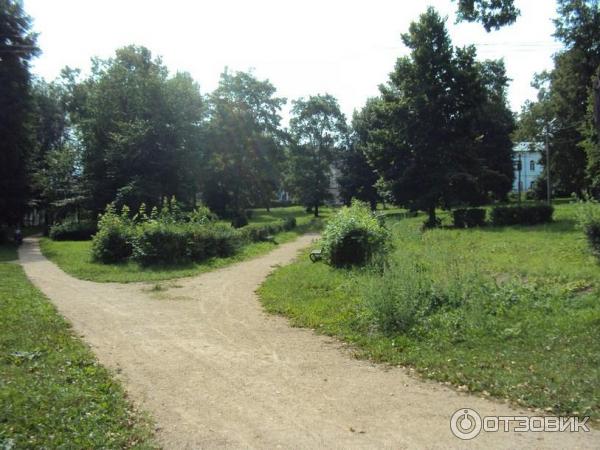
x=315, y=255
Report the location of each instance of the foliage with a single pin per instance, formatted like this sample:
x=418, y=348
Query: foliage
x=468, y=217
x=17, y=48
x=114, y=240
x=493, y=14
x=54, y=392
x=357, y=178
x=160, y=243
x=566, y=100
x=318, y=133
x=217, y=240
x=240, y=219
x=354, y=236
x=244, y=144
x=406, y=295
x=72, y=230
x=55, y=162
x=588, y=217
x=261, y=232
x=75, y=257
x=493, y=311
x=439, y=135
x=141, y=130
x=167, y=236
x=521, y=215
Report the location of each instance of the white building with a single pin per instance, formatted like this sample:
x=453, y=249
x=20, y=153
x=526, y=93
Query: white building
x=527, y=157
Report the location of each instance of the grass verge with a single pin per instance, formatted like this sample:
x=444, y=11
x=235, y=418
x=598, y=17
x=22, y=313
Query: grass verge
x=511, y=312
x=53, y=392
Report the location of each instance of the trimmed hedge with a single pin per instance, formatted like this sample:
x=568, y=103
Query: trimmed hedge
x=167, y=237
x=592, y=233
x=468, y=217
x=216, y=240
x=260, y=232
x=73, y=231
x=521, y=215
x=159, y=243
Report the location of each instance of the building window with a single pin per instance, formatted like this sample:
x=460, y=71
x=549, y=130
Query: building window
x=532, y=166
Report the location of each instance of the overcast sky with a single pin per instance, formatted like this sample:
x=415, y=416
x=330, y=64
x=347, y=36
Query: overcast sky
x=342, y=47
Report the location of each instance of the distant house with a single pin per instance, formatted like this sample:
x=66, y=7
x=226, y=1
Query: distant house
x=527, y=158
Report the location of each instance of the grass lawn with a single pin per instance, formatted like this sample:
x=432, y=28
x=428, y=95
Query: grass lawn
x=513, y=312
x=74, y=257
x=53, y=393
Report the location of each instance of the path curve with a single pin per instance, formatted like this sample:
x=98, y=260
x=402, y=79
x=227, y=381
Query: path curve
x=214, y=370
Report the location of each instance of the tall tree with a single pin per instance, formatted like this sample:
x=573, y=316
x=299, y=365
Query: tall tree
x=319, y=133
x=55, y=160
x=140, y=129
x=440, y=133
x=493, y=14
x=358, y=179
x=567, y=95
x=244, y=144
x=17, y=48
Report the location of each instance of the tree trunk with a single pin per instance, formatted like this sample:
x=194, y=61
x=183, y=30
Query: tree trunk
x=432, y=219
x=316, y=209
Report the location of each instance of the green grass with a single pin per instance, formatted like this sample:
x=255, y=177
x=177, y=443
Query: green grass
x=515, y=315
x=53, y=392
x=74, y=257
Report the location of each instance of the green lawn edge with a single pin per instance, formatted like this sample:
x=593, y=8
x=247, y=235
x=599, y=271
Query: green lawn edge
x=53, y=391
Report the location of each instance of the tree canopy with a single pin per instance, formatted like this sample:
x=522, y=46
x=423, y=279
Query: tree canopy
x=245, y=144
x=140, y=130
x=319, y=134
x=440, y=133
x=17, y=49
x=493, y=14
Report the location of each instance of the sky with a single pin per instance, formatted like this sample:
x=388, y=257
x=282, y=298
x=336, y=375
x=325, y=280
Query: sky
x=342, y=47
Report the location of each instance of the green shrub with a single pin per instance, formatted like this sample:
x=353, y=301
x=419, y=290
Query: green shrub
x=469, y=217
x=260, y=232
x=113, y=241
x=214, y=240
x=588, y=217
x=160, y=243
x=73, y=231
x=223, y=240
x=289, y=223
x=522, y=215
x=239, y=220
x=354, y=236
x=256, y=232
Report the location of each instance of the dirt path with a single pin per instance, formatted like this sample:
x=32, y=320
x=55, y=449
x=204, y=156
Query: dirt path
x=215, y=371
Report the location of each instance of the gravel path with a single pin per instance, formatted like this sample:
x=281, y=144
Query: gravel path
x=215, y=371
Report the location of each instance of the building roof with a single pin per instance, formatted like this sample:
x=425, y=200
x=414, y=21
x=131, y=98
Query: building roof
x=528, y=147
